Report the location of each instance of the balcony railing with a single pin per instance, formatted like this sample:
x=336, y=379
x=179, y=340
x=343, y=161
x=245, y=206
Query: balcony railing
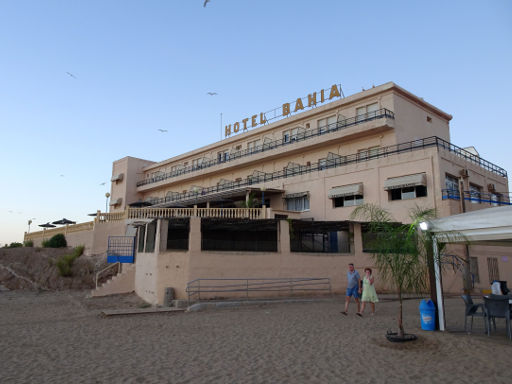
x=301, y=136
x=167, y=213
x=488, y=198
x=298, y=169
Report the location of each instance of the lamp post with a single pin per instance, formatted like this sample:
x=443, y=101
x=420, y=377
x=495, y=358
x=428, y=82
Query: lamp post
x=107, y=195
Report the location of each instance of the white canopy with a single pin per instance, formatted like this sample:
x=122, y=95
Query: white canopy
x=491, y=226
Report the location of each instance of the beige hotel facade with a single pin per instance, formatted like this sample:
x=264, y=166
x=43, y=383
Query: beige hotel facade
x=274, y=198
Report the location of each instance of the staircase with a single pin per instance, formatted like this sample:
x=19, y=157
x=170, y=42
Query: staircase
x=123, y=282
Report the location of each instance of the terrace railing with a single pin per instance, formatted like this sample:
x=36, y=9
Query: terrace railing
x=168, y=213
x=487, y=198
x=256, y=288
x=305, y=135
x=340, y=161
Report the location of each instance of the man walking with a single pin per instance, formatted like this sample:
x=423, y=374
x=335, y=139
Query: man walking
x=353, y=281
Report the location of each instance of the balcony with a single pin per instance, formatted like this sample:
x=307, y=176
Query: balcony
x=486, y=199
x=302, y=136
x=339, y=161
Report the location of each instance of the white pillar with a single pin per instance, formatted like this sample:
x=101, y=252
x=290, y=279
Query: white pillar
x=439, y=288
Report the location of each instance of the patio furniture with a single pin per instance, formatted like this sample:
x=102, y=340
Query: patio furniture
x=497, y=306
x=472, y=310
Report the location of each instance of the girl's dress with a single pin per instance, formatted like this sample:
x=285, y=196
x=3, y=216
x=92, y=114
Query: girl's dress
x=369, y=293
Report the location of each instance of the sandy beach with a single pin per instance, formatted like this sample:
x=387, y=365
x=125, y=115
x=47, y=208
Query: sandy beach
x=59, y=337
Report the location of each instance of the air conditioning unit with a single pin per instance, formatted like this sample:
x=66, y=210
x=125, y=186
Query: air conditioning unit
x=464, y=173
x=491, y=187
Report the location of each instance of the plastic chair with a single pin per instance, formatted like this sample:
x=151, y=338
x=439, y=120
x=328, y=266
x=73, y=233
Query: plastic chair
x=497, y=306
x=472, y=310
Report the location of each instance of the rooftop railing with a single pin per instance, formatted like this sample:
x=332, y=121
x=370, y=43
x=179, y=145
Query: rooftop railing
x=300, y=136
x=340, y=161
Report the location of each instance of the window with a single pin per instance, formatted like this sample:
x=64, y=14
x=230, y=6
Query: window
x=473, y=267
x=495, y=199
x=253, y=146
x=322, y=163
x=318, y=236
x=178, y=234
x=150, y=237
x=347, y=201
x=222, y=156
x=407, y=193
x=367, y=153
x=452, y=185
x=297, y=203
x=475, y=194
x=197, y=163
x=366, y=112
x=141, y=238
x=492, y=266
x=286, y=137
x=326, y=124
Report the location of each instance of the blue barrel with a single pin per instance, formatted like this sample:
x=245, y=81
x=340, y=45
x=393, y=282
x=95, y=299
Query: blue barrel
x=428, y=315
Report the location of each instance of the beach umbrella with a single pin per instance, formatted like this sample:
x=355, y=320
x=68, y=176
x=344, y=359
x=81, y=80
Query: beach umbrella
x=64, y=222
x=47, y=225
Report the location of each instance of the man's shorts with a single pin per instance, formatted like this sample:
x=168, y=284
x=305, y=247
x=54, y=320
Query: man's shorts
x=353, y=292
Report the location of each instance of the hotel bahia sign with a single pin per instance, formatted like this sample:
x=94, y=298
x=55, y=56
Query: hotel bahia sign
x=310, y=101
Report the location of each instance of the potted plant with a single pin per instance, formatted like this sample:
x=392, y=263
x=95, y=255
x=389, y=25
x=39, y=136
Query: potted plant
x=399, y=253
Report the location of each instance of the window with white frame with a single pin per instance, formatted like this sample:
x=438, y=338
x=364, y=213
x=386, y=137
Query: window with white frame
x=253, y=146
x=368, y=111
x=347, y=201
x=222, y=156
x=196, y=163
x=407, y=193
x=451, y=183
x=326, y=124
x=495, y=199
x=475, y=194
x=297, y=203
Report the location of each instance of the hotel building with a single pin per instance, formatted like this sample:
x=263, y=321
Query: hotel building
x=274, y=198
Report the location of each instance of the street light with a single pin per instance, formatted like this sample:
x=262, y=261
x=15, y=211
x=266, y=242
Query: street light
x=107, y=195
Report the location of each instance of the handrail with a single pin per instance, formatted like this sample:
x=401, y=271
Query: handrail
x=106, y=269
x=340, y=161
x=307, y=134
x=495, y=199
x=231, y=285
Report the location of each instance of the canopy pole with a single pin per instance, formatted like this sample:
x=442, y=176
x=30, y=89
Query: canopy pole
x=439, y=288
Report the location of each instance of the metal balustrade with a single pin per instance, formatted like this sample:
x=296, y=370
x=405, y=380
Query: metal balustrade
x=301, y=136
x=488, y=198
x=254, y=287
x=340, y=161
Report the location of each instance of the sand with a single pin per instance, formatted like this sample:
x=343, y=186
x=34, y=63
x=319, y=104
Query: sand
x=58, y=337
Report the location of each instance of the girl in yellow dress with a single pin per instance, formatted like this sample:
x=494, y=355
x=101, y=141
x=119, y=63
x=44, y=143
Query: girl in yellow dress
x=369, y=294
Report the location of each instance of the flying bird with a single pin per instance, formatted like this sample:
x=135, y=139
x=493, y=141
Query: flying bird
x=162, y=130
x=103, y=183
x=61, y=175
x=212, y=93
x=205, y=2
x=71, y=75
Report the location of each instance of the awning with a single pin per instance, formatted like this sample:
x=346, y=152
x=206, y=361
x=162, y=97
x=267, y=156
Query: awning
x=406, y=181
x=117, y=177
x=296, y=195
x=346, y=190
x=116, y=202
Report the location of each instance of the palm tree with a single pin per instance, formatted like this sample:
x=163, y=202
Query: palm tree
x=399, y=250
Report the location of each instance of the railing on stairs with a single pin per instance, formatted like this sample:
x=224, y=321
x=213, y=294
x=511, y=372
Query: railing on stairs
x=111, y=266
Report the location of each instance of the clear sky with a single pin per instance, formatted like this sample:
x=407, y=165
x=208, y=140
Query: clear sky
x=139, y=66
